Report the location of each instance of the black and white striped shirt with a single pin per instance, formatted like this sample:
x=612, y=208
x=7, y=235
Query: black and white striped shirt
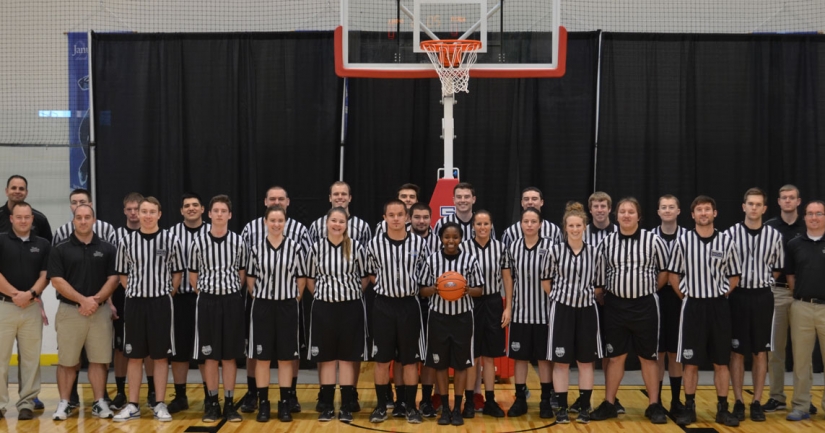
x=120, y=232
x=149, y=261
x=381, y=228
x=594, y=235
x=547, y=230
x=530, y=266
x=104, y=231
x=396, y=264
x=670, y=239
x=217, y=261
x=467, y=230
x=336, y=278
x=465, y=264
x=255, y=231
x=705, y=264
x=760, y=252
x=492, y=259
x=574, y=276
x=432, y=240
x=357, y=229
x=276, y=270
x=632, y=263
x=186, y=236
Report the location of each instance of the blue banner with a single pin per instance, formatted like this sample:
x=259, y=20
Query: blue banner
x=79, y=126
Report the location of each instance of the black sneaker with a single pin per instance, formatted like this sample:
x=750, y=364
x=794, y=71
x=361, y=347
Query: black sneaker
x=446, y=416
x=427, y=409
x=345, y=415
x=584, y=415
x=319, y=407
x=355, y=406
x=414, y=416
x=119, y=402
x=518, y=408
x=378, y=415
x=263, y=411
x=554, y=401
x=676, y=407
x=723, y=415
x=812, y=410
x=619, y=407
x=230, y=412
x=688, y=414
x=739, y=410
x=757, y=414
x=294, y=405
x=150, y=397
x=469, y=410
x=546, y=409
x=212, y=412
x=576, y=407
x=390, y=402
x=656, y=413
x=399, y=410
x=178, y=404
x=457, y=419
x=38, y=405
x=249, y=402
x=773, y=405
x=492, y=408
x=327, y=414
x=74, y=399
x=284, y=411
x=562, y=417
x=604, y=411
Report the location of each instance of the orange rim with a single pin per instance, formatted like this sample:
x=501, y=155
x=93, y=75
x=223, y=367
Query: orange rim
x=448, y=48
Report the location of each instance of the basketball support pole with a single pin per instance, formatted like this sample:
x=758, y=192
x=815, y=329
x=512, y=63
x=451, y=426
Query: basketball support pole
x=448, y=133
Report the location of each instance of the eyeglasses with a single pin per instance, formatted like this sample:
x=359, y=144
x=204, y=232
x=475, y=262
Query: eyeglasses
x=815, y=214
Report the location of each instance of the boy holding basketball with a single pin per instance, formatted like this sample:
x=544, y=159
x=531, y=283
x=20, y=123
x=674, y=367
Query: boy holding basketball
x=450, y=322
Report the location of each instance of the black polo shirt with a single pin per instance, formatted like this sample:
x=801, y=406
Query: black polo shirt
x=40, y=225
x=86, y=267
x=805, y=260
x=22, y=261
x=788, y=231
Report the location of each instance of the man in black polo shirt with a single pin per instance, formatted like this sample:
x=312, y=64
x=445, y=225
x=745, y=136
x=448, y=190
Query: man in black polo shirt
x=805, y=272
x=17, y=189
x=82, y=270
x=23, y=262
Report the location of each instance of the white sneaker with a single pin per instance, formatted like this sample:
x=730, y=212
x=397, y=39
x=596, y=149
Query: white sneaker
x=161, y=412
x=129, y=412
x=101, y=410
x=63, y=411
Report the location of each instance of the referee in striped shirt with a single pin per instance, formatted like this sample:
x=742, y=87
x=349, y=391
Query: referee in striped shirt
x=751, y=307
x=185, y=300
x=705, y=266
x=394, y=259
x=635, y=262
x=531, y=197
x=217, y=266
x=408, y=194
x=150, y=264
x=464, y=197
x=357, y=229
x=600, y=204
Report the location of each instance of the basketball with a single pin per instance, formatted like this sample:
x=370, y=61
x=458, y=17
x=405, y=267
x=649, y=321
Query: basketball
x=451, y=286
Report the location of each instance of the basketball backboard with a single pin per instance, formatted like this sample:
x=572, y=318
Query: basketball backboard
x=381, y=38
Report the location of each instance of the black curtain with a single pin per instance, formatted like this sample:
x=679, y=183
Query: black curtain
x=711, y=114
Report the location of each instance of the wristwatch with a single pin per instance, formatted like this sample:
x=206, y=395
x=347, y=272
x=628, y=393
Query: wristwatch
x=34, y=294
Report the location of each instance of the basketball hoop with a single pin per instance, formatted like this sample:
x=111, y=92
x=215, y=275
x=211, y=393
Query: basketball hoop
x=452, y=59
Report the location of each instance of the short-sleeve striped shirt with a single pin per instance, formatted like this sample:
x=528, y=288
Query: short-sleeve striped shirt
x=547, y=230
x=148, y=261
x=381, y=228
x=276, y=270
x=574, y=276
x=594, y=235
x=357, y=229
x=217, y=261
x=670, y=239
x=120, y=232
x=336, y=278
x=465, y=264
x=530, y=266
x=186, y=236
x=104, y=231
x=705, y=264
x=761, y=253
x=632, y=263
x=467, y=230
x=396, y=264
x=492, y=259
x=256, y=230
x=432, y=240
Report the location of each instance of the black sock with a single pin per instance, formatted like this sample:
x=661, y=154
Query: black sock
x=458, y=399
x=348, y=395
x=584, y=395
x=284, y=393
x=150, y=380
x=562, y=398
x=426, y=393
x=690, y=397
x=229, y=395
x=251, y=385
x=400, y=393
x=263, y=394
x=445, y=402
x=327, y=394
x=675, y=388
x=521, y=391
x=294, y=382
x=546, y=391
x=121, y=385
x=468, y=395
x=180, y=390
x=722, y=400
x=381, y=392
x=410, y=392
x=490, y=395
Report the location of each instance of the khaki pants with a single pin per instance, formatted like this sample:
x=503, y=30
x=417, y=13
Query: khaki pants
x=782, y=300
x=807, y=322
x=25, y=326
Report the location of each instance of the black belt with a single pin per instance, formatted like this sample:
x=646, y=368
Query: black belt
x=783, y=285
x=6, y=299
x=811, y=300
x=65, y=301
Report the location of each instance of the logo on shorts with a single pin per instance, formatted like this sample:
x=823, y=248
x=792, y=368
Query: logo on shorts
x=436, y=358
x=295, y=354
x=314, y=350
x=168, y=350
x=206, y=350
x=768, y=346
x=259, y=349
x=609, y=348
x=417, y=357
x=118, y=341
x=687, y=353
x=374, y=350
x=468, y=362
x=559, y=352
x=515, y=346
x=128, y=348
x=734, y=343
x=717, y=254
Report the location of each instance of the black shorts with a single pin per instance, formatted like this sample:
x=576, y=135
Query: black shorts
x=274, y=333
x=574, y=334
x=220, y=327
x=705, y=331
x=337, y=331
x=185, y=305
x=527, y=342
x=148, y=329
x=629, y=321
x=751, y=315
x=118, y=298
x=397, y=330
x=247, y=314
x=489, y=336
x=670, y=308
x=450, y=341
x=425, y=314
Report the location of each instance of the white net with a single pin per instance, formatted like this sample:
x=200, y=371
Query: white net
x=452, y=61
